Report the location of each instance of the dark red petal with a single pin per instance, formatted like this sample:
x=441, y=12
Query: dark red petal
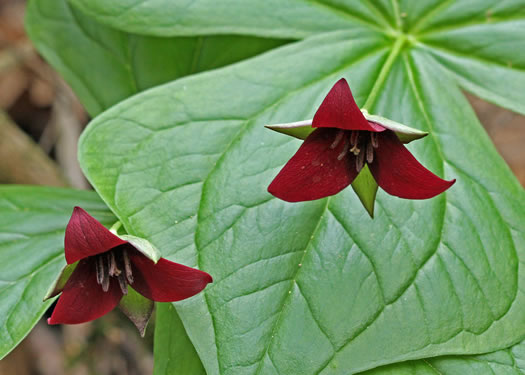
x=85, y=236
x=400, y=174
x=166, y=281
x=314, y=171
x=82, y=299
x=339, y=110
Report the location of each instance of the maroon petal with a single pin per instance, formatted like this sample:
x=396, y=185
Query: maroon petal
x=400, y=174
x=82, y=299
x=339, y=110
x=85, y=236
x=315, y=171
x=166, y=281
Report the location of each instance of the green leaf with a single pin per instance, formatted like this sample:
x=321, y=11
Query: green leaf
x=477, y=43
x=60, y=282
x=173, y=350
x=405, y=133
x=32, y=225
x=269, y=18
x=476, y=40
x=142, y=245
x=420, y=367
x=365, y=186
x=137, y=308
x=318, y=287
x=298, y=129
x=104, y=65
x=172, y=343
x=510, y=361
x=302, y=129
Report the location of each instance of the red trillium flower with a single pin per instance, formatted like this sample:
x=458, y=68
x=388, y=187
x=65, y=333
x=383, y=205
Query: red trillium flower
x=105, y=270
x=339, y=142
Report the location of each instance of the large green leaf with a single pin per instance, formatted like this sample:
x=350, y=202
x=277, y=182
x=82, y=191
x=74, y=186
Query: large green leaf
x=477, y=43
x=476, y=40
x=503, y=362
x=32, y=225
x=318, y=288
x=174, y=352
x=269, y=18
x=174, y=355
x=104, y=65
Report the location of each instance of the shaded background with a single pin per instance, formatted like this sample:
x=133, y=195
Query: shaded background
x=40, y=121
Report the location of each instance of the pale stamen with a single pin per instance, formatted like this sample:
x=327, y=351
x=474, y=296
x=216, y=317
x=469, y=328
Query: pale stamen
x=112, y=264
x=337, y=139
x=105, y=281
x=127, y=266
x=343, y=153
x=369, y=153
x=113, y=269
x=360, y=146
x=354, y=136
x=373, y=138
x=99, y=264
x=123, y=283
x=360, y=161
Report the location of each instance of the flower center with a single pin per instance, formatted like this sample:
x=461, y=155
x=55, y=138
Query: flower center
x=114, y=263
x=361, y=143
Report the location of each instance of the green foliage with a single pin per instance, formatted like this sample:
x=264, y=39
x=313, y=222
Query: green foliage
x=137, y=308
x=503, y=362
x=269, y=18
x=142, y=245
x=105, y=65
x=319, y=287
x=425, y=277
x=174, y=353
x=32, y=225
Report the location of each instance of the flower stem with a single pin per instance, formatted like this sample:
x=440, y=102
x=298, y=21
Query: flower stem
x=115, y=227
x=383, y=74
